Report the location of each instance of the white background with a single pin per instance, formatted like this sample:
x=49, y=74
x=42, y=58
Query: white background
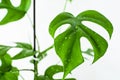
x=107, y=68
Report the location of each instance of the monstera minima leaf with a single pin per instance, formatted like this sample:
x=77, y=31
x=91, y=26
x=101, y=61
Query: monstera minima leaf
x=14, y=13
x=67, y=43
x=54, y=69
x=26, y=50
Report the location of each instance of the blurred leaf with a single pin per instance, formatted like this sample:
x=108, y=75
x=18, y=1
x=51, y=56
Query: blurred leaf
x=88, y=52
x=14, y=13
x=67, y=44
x=52, y=70
x=70, y=0
x=10, y=75
x=6, y=63
x=23, y=45
x=7, y=72
x=24, y=53
x=3, y=50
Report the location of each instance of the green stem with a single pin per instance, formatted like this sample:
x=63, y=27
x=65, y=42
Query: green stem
x=26, y=70
x=38, y=44
x=22, y=77
x=43, y=52
x=65, y=5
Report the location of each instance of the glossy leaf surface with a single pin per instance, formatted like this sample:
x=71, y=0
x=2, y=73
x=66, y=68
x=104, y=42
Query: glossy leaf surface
x=67, y=44
x=52, y=70
x=14, y=13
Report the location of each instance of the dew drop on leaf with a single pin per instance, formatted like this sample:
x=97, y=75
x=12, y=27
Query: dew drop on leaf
x=76, y=27
x=57, y=70
x=69, y=37
x=52, y=68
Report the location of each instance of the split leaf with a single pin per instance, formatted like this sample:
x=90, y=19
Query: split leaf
x=67, y=44
x=54, y=69
x=14, y=13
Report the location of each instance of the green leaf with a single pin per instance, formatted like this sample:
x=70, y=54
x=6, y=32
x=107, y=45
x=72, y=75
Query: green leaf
x=26, y=51
x=42, y=77
x=14, y=13
x=6, y=63
x=96, y=17
x=69, y=51
x=3, y=50
x=23, y=45
x=7, y=72
x=63, y=18
x=99, y=44
x=52, y=70
x=67, y=44
x=10, y=75
x=23, y=54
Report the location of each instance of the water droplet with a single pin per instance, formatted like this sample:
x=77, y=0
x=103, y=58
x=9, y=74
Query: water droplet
x=52, y=68
x=69, y=38
x=76, y=27
x=57, y=70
